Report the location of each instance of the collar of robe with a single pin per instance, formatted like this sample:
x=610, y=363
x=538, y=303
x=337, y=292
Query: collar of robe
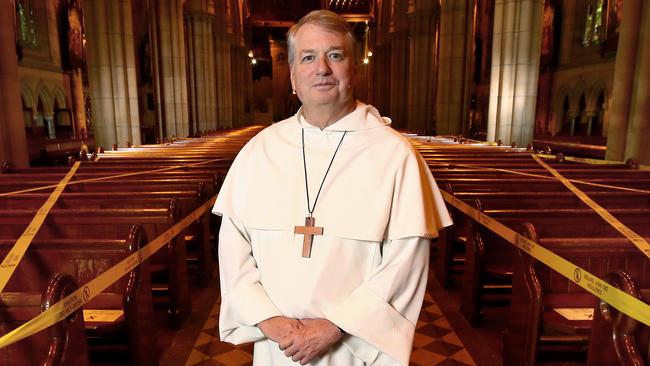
x=379, y=189
x=363, y=117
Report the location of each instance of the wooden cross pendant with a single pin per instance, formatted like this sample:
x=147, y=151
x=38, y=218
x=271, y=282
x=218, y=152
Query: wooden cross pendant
x=309, y=230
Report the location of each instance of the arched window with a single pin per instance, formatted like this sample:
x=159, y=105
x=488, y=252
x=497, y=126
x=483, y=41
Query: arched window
x=594, y=23
x=26, y=21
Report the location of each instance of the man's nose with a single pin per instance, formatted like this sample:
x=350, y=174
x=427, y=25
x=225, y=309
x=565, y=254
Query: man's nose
x=323, y=66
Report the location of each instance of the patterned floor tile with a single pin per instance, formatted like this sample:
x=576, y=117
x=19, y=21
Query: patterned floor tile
x=422, y=357
x=434, y=343
x=235, y=357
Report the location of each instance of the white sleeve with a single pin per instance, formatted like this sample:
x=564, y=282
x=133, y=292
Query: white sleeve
x=244, y=302
x=380, y=315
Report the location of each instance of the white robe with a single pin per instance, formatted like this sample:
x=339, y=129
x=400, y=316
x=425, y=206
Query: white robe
x=367, y=272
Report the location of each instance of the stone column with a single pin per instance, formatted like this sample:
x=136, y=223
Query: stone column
x=240, y=60
x=248, y=89
x=398, y=82
x=454, y=66
x=111, y=72
x=13, y=140
x=381, y=79
x=515, y=70
x=568, y=40
x=202, y=82
x=78, y=104
x=280, y=81
x=222, y=66
x=169, y=67
x=236, y=80
x=423, y=16
x=639, y=128
x=49, y=125
x=591, y=117
x=624, y=80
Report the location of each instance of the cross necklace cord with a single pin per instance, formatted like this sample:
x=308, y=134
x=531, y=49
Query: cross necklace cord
x=309, y=230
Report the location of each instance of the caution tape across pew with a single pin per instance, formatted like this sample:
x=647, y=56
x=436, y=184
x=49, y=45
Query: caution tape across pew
x=622, y=301
x=532, y=175
x=17, y=251
x=635, y=238
x=82, y=295
x=41, y=188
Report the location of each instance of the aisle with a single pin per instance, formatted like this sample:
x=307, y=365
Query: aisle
x=435, y=343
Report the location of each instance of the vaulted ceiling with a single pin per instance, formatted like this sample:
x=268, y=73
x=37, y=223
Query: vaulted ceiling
x=283, y=13
x=271, y=19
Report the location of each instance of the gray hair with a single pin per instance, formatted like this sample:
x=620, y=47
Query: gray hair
x=322, y=18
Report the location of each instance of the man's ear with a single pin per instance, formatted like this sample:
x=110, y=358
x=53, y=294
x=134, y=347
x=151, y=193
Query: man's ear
x=293, y=85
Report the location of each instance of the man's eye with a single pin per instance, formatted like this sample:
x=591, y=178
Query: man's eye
x=336, y=56
x=308, y=58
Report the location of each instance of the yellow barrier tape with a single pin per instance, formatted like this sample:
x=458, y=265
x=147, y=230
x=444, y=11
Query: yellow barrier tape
x=115, y=176
x=635, y=238
x=82, y=295
x=10, y=263
x=592, y=161
x=549, y=177
x=622, y=301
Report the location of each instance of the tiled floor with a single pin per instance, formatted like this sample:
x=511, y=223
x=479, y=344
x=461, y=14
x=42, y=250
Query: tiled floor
x=435, y=343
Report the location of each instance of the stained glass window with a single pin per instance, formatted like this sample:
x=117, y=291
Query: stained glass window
x=27, y=33
x=594, y=27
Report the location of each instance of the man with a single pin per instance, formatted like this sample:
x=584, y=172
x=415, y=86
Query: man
x=324, y=244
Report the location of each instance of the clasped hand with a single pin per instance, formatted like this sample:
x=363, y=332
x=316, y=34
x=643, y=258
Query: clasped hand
x=301, y=340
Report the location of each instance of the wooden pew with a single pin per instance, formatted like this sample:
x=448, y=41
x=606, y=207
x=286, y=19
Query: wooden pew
x=115, y=223
x=512, y=200
x=199, y=232
x=518, y=184
x=210, y=178
x=64, y=343
x=136, y=184
x=531, y=199
x=567, y=172
x=489, y=258
x=616, y=338
x=197, y=235
x=85, y=259
x=533, y=325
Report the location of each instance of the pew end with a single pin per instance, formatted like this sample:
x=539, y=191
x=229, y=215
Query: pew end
x=63, y=343
x=617, y=338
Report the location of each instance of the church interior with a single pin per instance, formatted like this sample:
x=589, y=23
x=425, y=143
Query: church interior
x=119, y=120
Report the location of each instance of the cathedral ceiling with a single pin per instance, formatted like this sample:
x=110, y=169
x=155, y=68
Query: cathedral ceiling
x=271, y=19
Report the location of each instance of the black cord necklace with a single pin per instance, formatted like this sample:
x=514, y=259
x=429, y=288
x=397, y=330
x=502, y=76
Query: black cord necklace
x=309, y=230
x=304, y=161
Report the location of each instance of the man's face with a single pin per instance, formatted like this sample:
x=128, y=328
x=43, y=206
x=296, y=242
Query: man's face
x=323, y=68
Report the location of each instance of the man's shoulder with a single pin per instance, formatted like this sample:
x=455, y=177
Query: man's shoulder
x=387, y=138
x=273, y=132
x=278, y=128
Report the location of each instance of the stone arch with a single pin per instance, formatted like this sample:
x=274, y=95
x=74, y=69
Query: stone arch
x=594, y=92
x=579, y=89
x=58, y=98
x=29, y=99
x=559, y=96
x=45, y=97
x=597, y=107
